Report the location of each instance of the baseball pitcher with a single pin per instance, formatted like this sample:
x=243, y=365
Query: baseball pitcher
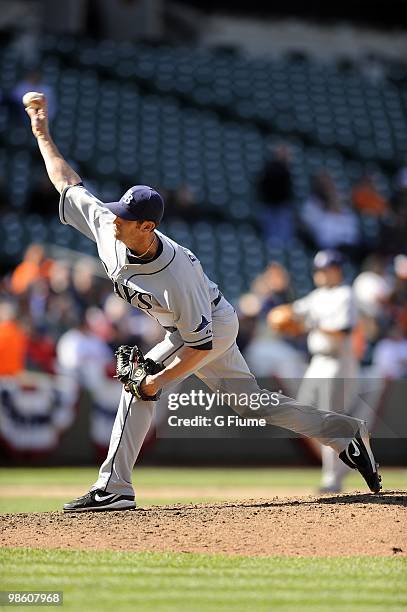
x=166, y=281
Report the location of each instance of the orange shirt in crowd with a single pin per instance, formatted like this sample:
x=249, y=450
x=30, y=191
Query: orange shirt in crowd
x=13, y=346
x=26, y=273
x=367, y=200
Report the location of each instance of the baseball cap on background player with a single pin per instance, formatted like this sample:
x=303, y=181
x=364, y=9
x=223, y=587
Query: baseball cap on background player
x=328, y=258
x=139, y=203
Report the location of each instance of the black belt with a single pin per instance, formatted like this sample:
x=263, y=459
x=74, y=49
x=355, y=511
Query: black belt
x=214, y=303
x=217, y=300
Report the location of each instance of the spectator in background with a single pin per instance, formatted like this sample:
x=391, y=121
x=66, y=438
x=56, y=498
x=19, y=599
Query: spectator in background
x=372, y=287
x=367, y=200
x=33, y=81
x=185, y=203
x=41, y=197
x=13, y=341
x=275, y=193
x=390, y=353
x=85, y=286
x=34, y=266
x=24, y=20
x=398, y=298
x=269, y=289
x=394, y=231
x=328, y=223
x=40, y=350
x=248, y=311
x=80, y=346
x=272, y=287
x=182, y=202
x=62, y=311
x=396, y=234
x=267, y=354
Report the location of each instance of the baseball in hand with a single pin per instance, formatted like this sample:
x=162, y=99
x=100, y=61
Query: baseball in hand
x=33, y=99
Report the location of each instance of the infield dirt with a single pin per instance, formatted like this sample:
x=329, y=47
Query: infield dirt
x=357, y=524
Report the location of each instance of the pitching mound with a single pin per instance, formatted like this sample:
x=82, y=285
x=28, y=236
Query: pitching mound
x=358, y=524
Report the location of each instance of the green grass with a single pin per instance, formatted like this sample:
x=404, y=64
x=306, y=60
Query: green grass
x=148, y=479
x=161, y=476
x=229, y=477
x=173, y=582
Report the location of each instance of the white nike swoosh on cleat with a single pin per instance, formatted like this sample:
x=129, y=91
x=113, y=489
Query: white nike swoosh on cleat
x=104, y=498
x=356, y=451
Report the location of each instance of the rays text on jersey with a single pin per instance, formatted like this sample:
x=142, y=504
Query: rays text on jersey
x=135, y=298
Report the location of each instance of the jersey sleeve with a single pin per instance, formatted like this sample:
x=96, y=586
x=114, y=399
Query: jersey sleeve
x=82, y=210
x=192, y=311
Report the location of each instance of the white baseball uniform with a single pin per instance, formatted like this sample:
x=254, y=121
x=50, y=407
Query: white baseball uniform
x=174, y=290
x=331, y=380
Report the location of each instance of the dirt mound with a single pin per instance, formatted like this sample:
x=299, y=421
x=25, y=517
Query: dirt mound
x=327, y=526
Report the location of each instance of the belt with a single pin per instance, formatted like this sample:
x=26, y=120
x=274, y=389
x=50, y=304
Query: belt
x=217, y=300
x=214, y=303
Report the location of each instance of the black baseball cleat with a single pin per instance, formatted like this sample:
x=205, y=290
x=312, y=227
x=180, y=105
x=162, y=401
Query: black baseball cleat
x=359, y=456
x=100, y=500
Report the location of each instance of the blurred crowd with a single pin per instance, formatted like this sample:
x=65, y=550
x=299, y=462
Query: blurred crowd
x=60, y=317
x=329, y=218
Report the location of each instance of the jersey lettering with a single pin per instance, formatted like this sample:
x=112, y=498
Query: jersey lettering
x=140, y=300
x=129, y=294
x=146, y=300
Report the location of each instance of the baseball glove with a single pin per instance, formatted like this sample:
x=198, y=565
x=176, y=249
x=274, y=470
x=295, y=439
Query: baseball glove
x=281, y=319
x=132, y=368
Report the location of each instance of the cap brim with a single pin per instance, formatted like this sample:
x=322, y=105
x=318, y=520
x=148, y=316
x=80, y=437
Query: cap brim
x=118, y=210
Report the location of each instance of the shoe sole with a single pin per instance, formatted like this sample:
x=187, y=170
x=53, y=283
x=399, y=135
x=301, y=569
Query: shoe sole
x=119, y=505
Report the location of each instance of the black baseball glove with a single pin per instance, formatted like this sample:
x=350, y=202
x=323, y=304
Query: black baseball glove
x=132, y=368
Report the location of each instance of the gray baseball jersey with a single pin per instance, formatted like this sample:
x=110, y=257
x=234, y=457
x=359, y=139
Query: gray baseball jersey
x=327, y=308
x=172, y=288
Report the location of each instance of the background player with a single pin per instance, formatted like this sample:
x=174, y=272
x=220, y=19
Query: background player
x=331, y=379
x=157, y=275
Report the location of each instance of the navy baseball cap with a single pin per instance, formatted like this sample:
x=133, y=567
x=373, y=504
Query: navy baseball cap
x=139, y=203
x=325, y=259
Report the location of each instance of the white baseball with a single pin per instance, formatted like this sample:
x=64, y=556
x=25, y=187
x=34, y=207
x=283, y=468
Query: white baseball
x=34, y=99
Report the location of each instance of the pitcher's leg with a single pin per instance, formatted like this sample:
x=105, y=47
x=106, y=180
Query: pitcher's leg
x=133, y=420
x=230, y=374
x=131, y=425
